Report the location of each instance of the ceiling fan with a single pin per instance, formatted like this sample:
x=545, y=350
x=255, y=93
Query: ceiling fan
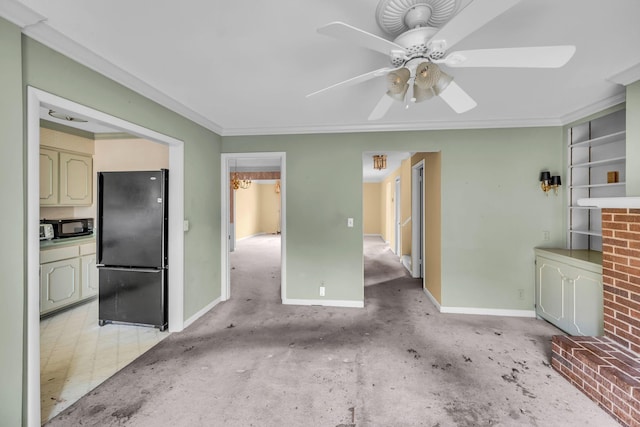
x=424, y=31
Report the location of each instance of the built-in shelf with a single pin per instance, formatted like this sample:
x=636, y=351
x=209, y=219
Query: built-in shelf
x=611, y=184
x=596, y=233
x=606, y=139
x=599, y=162
x=593, y=146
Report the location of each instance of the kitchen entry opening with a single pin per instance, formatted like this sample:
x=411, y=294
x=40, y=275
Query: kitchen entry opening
x=38, y=101
x=253, y=226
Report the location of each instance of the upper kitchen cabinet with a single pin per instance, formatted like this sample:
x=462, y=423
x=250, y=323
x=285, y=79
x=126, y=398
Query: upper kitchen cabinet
x=49, y=177
x=65, y=178
x=76, y=172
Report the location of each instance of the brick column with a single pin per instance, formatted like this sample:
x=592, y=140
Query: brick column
x=621, y=276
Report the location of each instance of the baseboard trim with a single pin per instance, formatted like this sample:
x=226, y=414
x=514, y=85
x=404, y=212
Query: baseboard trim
x=201, y=313
x=373, y=235
x=488, y=311
x=324, y=302
x=406, y=261
x=262, y=233
x=432, y=299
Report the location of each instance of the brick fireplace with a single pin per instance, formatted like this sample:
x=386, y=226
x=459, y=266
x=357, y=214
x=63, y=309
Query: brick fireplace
x=607, y=368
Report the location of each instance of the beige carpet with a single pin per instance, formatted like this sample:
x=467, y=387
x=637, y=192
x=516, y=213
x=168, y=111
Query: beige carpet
x=398, y=362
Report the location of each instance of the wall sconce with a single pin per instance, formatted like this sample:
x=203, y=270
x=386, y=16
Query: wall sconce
x=547, y=182
x=380, y=161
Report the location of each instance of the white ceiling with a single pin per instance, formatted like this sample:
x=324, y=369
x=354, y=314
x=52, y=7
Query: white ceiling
x=245, y=67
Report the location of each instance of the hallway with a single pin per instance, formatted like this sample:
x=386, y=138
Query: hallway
x=252, y=361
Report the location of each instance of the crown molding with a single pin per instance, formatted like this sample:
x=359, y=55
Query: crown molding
x=395, y=127
x=628, y=76
x=594, y=108
x=19, y=14
x=68, y=47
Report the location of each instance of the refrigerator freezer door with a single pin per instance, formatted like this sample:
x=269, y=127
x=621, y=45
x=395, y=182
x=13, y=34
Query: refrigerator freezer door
x=132, y=296
x=132, y=213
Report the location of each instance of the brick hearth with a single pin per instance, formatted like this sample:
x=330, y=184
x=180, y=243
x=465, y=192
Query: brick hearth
x=607, y=369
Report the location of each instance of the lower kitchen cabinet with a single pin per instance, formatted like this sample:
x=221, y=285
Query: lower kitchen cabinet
x=59, y=284
x=68, y=274
x=89, y=276
x=569, y=290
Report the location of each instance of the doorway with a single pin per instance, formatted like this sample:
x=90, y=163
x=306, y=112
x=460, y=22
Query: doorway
x=417, y=225
x=35, y=100
x=252, y=162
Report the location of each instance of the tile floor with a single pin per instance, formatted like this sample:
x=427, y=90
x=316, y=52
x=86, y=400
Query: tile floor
x=76, y=354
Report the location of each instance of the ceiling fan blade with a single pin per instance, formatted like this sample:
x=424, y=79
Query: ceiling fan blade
x=381, y=107
x=469, y=19
x=458, y=99
x=519, y=57
x=355, y=80
x=342, y=31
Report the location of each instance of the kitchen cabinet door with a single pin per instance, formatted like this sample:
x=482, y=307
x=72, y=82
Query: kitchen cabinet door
x=89, y=276
x=59, y=284
x=48, y=177
x=76, y=173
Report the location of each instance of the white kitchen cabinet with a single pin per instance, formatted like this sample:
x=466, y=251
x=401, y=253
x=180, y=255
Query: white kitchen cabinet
x=68, y=273
x=66, y=179
x=59, y=284
x=76, y=172
x=569, y=290
x=89, y=268
x=48, y=177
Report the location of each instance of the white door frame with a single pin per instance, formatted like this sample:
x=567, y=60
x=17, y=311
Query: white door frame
x=417, y=224
x=398, y=214
x=36, y=98
x=225, y=168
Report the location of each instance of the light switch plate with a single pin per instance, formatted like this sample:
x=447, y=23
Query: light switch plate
x=185, y=225
x=349, y=222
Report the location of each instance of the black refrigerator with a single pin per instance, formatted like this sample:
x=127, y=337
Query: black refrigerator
x=132, y=247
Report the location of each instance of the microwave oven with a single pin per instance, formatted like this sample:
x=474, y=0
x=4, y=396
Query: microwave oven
x=73, y=227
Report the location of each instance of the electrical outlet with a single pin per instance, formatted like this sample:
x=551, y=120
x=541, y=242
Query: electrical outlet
x=321, y=291
x=521, y=294
x=546, y=235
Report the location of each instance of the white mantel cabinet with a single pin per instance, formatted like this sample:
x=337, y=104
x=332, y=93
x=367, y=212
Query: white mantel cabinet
x=66, y=178
x=569, y=290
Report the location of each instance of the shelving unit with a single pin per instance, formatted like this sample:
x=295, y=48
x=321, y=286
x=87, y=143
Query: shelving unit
x=596, y=147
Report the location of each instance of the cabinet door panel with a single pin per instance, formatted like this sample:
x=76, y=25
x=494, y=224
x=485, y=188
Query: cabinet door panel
x=59, y=284
x=550, y=284
x=48, y=177
x=588, y=304
x=76, y=172
x=89, y=276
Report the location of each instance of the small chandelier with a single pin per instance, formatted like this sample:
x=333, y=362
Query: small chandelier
x=237, y=183
x=380, y=161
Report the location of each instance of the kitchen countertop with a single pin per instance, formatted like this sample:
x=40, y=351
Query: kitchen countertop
x=69, y=241
x=584, y=255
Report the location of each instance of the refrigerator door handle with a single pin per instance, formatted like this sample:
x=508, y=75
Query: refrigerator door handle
x=136, y=270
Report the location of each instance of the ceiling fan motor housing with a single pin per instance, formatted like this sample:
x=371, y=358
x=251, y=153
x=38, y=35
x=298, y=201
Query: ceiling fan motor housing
x=397, y=16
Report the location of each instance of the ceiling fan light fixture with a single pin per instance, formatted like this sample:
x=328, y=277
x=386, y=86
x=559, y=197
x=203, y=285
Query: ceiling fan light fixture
x=427, y=75
x=397, y=83
x=421, y=94
x=443, y=82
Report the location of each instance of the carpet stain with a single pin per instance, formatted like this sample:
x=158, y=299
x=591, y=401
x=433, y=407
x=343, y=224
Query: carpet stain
x=128, y=411
x=96, y=409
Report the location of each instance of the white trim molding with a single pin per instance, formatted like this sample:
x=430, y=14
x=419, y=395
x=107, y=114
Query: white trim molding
x=202, y=312
x=488, y=311
x=612, y=202
x=325, y=302
x=432, y=299
x=626, y=77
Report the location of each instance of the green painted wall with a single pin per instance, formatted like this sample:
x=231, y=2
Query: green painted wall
x=633, y=140
x=493, y=212
x=26, y=62
x=12, y=251
x=57, y=74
